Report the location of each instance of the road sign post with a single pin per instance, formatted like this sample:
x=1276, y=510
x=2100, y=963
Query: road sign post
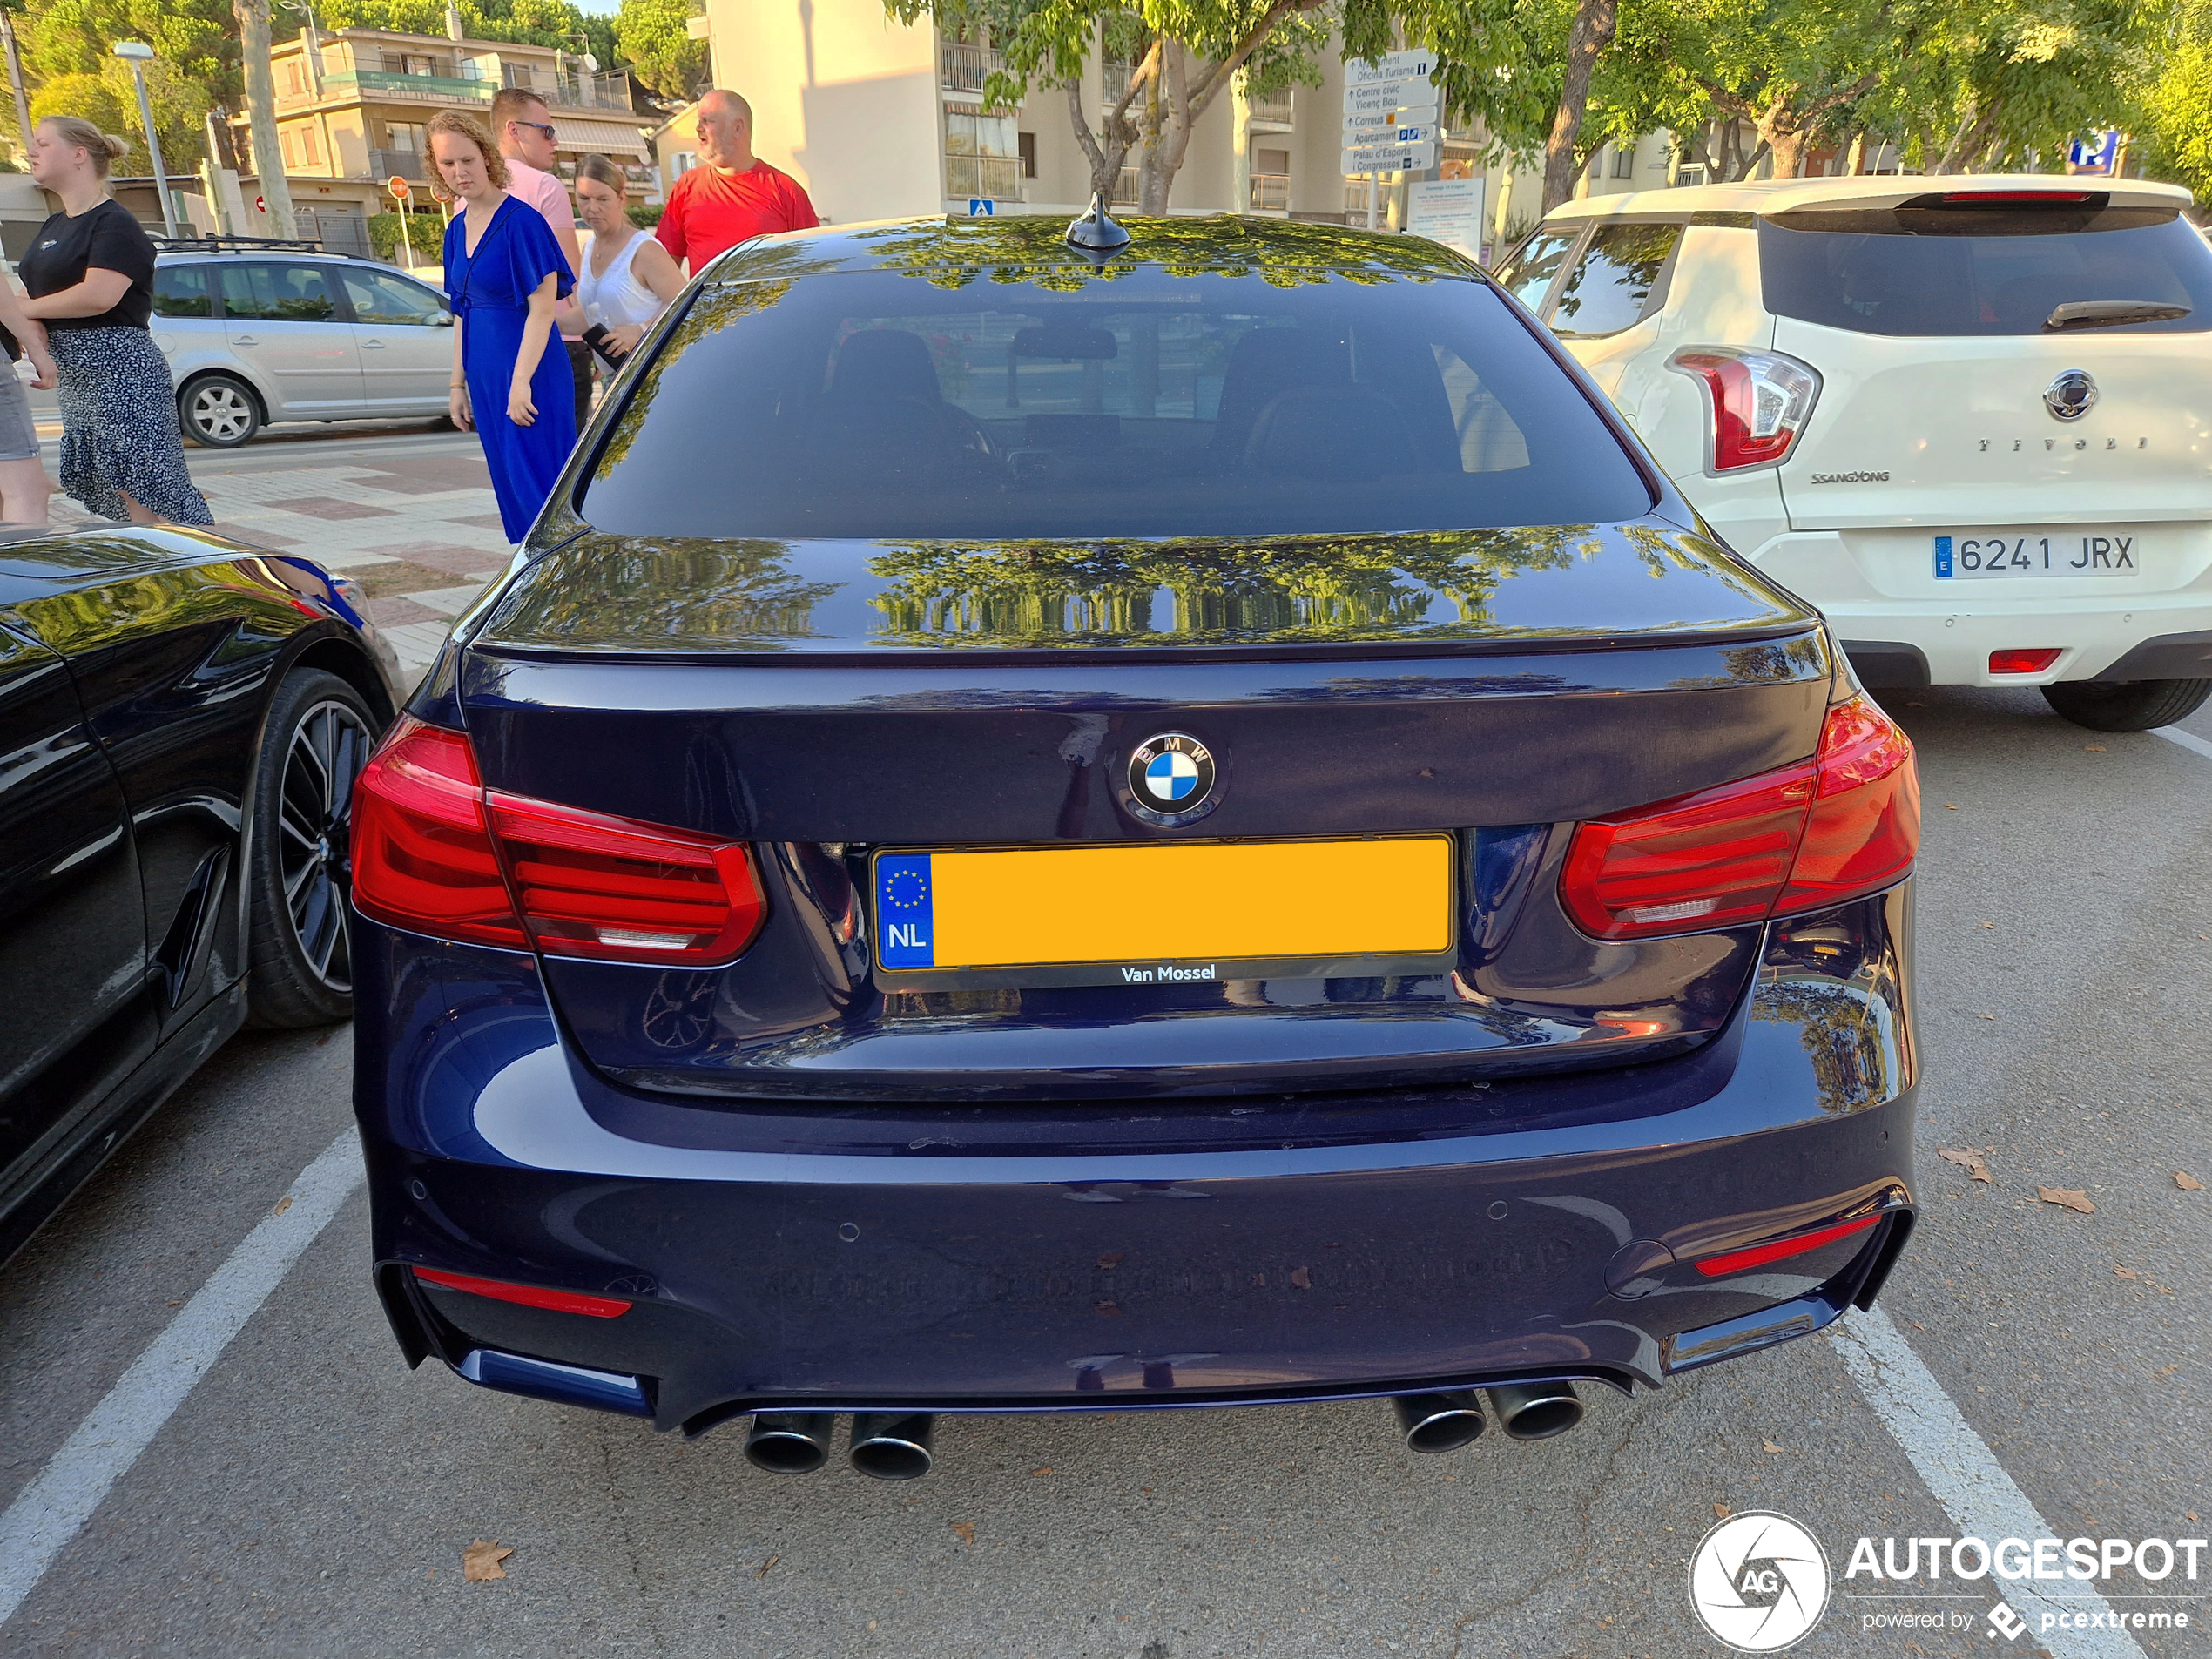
x=1391, y=120
x=398, y=191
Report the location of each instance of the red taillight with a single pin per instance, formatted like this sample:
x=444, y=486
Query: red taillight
x=422, y=859
x=606, y=887
x=1756, y=403
x=530, y=1296
x=587, y=884
x=1736, y=1261
x=1801, y=838
x=2023, y=660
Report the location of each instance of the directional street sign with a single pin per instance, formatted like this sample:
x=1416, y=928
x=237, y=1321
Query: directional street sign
x=1382, y=96
x=1378, y=157
x=1406, y=65
x=1362, y=131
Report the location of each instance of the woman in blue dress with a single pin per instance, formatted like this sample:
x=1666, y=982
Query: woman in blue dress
x=504, y=274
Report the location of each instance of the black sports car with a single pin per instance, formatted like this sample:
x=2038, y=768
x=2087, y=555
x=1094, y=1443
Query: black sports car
x=181, y=718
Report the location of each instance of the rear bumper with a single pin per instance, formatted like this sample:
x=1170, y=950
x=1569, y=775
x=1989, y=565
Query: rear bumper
x=999, y=1257
x=2102, y=631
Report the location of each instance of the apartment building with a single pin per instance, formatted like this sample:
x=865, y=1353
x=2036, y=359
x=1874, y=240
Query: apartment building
x=353, y=110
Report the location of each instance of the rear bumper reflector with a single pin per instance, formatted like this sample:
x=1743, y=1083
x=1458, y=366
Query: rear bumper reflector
x=530, y=1296
x=1738, y=1261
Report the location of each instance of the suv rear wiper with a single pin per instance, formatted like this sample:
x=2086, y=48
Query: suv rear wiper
x=2110, y=314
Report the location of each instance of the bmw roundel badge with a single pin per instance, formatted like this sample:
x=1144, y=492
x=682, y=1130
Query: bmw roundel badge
x=1172, y=779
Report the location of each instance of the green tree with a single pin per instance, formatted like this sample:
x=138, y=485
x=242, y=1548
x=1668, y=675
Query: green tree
x=2177, y=103
x=1185, y=55
x=110, y=102
x=653, y=39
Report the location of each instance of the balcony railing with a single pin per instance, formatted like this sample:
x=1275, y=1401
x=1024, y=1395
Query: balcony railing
x=1276, y=109
x=405, y=164
x=383, y=86
x=998, y=177
x=967, y=65
x=1272, y=192
x=1128, y=190
x=561, y=92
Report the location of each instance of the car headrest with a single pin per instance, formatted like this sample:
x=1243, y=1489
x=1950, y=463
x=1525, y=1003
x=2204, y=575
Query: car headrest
x=884, y=362
x=1338, y=436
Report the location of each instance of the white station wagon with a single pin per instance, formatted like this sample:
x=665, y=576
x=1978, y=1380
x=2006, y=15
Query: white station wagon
x=1970, y=418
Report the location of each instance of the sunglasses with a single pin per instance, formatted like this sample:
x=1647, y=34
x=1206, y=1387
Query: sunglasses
x=546, y=127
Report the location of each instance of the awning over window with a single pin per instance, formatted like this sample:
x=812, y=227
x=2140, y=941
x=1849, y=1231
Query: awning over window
x=609, y=138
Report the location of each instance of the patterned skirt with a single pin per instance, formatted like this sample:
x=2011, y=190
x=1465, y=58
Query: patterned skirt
x=119, y=429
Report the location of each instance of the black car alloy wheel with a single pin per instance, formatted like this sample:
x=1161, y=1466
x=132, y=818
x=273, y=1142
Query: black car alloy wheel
x=319, y=736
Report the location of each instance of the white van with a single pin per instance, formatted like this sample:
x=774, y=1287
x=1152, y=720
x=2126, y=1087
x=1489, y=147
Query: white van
x=1970, y=418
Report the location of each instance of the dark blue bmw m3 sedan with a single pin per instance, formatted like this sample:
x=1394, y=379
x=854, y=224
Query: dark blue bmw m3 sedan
x=1041, y=830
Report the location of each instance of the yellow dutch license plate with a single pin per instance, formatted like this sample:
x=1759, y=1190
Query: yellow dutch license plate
x=1163, y=913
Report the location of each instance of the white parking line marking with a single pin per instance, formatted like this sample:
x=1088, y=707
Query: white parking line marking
x=54, y=1507
x=1968, y=1480
x=2187, y=739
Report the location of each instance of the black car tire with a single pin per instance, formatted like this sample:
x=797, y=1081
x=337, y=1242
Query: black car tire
x=219, y=412
x=2126, y=706
x=318, y=733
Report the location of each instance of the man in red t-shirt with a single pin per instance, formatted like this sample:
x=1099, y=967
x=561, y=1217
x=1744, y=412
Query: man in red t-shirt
x=730, y=196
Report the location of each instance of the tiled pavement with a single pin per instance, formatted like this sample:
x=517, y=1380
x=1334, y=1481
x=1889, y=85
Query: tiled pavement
x=412, y=521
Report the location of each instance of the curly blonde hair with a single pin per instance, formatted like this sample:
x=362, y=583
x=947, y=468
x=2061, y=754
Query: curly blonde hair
x=466, y=126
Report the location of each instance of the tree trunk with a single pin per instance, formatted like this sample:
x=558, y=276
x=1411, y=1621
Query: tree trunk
x=1855, y=158
x=260, y=104
x=1594, y=23
x=1105, y=151
x=1783, y=131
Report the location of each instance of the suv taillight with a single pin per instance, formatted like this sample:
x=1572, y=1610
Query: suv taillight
x=1756, y=403
x=436, y=853
x=1801, y=838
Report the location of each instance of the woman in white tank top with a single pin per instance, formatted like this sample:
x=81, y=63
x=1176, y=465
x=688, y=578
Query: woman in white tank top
x=628, y=277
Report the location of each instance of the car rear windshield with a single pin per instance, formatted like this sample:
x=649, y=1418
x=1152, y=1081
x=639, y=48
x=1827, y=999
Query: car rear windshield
x=1135, y=402
x=1930, y=270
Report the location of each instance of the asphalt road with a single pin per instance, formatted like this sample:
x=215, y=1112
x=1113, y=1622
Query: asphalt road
x=311, y=1496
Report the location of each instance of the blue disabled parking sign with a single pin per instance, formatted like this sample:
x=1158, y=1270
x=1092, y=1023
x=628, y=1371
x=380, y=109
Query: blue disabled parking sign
x=982, y=207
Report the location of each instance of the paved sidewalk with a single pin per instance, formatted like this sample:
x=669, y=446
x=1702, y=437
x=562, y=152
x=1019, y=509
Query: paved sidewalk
x=411, y=520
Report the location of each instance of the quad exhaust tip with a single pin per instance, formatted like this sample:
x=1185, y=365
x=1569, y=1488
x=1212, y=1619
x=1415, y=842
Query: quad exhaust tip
x=790, y=1442
x=893, y=1446
x=1536, y=1410
x=1439, y=1422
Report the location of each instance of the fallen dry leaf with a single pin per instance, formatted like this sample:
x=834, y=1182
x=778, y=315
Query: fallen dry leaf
x=1951, y=807
x=1967, y=1159
x=2127, y=1273
x=1989, y=924
x=765, y=1566
x=966, y=1530
x=1302, y=1277
x=2095, y=748
x=1722, y=1511
x=283, y=1205
x=1769, y=1446
x=2191, y=1514
x=480, y=1562
x=1110, y=1260
x=2072, y=1200
x=1033, y=1473
x=2187, y=1182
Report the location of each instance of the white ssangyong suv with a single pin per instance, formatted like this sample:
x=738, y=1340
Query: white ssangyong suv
x=1970, y=418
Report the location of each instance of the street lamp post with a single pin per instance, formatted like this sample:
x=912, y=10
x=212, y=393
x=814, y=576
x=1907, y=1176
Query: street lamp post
x=138, y=54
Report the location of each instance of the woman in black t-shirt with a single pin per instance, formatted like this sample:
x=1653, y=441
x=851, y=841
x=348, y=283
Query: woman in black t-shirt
x=90, y=275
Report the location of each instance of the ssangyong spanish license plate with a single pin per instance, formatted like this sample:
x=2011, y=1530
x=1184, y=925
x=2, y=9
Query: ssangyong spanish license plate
x=1162, y=914
x=2072, y=551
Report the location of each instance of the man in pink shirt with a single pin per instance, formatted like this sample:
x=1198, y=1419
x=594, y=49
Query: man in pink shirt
x=522, y=127
x=730, y=197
